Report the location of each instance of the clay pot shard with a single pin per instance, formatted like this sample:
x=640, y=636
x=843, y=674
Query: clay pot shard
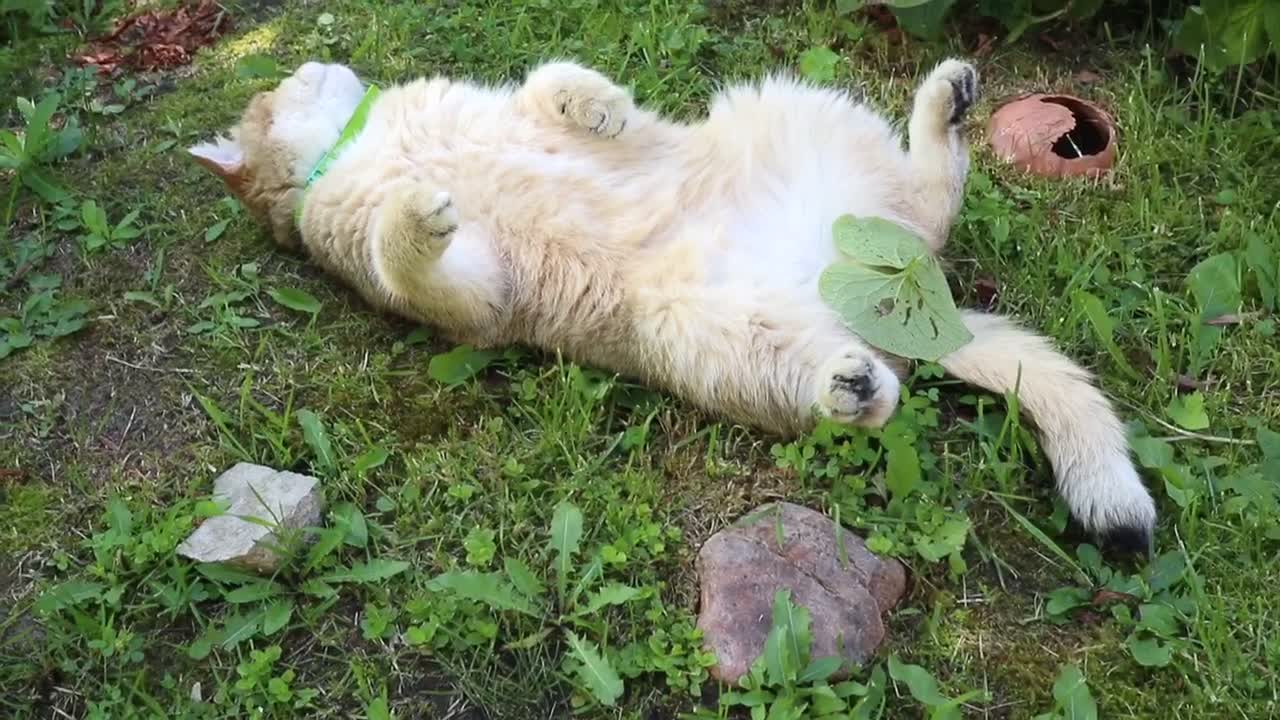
x=1054, y=136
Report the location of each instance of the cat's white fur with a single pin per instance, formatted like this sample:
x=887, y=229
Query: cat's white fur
x=559, y=215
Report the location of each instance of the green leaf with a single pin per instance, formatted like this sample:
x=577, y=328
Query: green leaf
x=1238, y=27
x=37, y=137
x=1104, y=327
x=378, y=709
x=819, y=64
x=614, y=593
x=1161, y=620
x=1152, y=453
x=68, y=594
x=329, y=540
x=1149, y=652
x=226, y=574
x=239, y=628
x=314, y=434
x=922, y=685
x=485, y=588
x=566, y=533
x=352, y=519
x=902, y=473
x=214, y=231
x=372, y=458
x=819, y=670
x=44, y=186
x=254, y=592
x=870, y=705
x=372, y=571
x=459, y=364
x=1165, y=571
x=595, y=671
x=258, y=66
x=523, y=578
x=922, y=18
x=295, y=299
x=121, y=520
x=1215, y=283
x=1188, y=411
x=794, y=619
x=143, y=297
x=1073, y=696
x=891, y=291
x=1261, y=258
x=276, y=616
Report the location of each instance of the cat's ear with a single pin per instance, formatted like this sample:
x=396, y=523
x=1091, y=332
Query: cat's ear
x=224, y=158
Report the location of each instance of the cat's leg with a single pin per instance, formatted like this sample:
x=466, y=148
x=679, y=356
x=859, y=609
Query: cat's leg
x=422, y=260
x=1080, y=432
x=939, y=154
x=569, y=94
x=774, y=365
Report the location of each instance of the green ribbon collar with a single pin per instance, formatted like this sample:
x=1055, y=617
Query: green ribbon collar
x=350, y=132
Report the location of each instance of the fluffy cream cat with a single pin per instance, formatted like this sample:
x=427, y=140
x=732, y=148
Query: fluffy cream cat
x=558, y=214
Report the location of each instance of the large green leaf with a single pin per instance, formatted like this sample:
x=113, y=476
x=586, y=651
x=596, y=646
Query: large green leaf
x=459, y=364
x=566, y=533
x=296, y=299
x=922, y=18
x=314, y=434
x=595, y=671
x=1073, y=696
x=369, y=572
x=891, y=291
x=487, y=588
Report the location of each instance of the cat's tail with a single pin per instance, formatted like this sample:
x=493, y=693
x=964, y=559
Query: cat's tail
x=938, y=151
x=1080, y=433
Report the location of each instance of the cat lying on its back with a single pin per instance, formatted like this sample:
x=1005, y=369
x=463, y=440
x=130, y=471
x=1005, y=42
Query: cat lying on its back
x=559, y=215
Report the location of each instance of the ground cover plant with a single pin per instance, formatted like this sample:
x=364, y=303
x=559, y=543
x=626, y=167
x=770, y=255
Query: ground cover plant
x=512, y=536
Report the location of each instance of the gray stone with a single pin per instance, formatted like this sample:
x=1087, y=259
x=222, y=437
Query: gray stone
x=846, y=589
x=261, y=502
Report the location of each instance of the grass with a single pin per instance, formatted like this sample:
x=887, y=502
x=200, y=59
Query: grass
x=110, y=436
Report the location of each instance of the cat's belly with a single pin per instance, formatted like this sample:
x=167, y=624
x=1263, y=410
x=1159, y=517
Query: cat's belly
x=780, y=236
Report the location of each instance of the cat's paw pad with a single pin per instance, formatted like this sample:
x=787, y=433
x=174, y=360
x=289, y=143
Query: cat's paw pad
x=952, y=89
x=603, y=113
x=855, y=388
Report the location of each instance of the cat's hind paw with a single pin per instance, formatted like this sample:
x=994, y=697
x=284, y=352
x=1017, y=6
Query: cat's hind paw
x=856, y=388
x=603, y=113
x=580, y=96
x=949, y=91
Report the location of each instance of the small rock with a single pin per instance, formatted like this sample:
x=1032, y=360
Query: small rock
x=743, y=566
x=280, y=499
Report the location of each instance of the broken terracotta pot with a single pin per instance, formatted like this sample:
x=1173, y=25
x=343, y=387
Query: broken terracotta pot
x=1054, y=136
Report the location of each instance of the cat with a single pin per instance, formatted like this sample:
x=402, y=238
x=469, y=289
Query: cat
x=560, y=215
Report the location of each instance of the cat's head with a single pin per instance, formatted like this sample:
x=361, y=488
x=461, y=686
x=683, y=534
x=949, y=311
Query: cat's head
x=267, y=156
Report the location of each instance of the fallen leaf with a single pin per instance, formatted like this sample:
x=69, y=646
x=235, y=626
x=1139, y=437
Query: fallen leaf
x=1188, y=383
x=1087, y=77
x=1231, y=319
x=988, y=293
x=1107, y=597
x=986, y=43
x=157, y=39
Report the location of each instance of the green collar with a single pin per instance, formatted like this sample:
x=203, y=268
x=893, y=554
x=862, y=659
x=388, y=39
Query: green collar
x=350, y=132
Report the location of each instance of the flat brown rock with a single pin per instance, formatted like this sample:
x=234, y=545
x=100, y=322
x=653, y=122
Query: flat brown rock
x=845, y=587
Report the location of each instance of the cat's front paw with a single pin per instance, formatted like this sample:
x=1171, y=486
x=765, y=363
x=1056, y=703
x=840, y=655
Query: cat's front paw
x=950, y=90
x=856, y=388
x=603, y=112
x=432, y=223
